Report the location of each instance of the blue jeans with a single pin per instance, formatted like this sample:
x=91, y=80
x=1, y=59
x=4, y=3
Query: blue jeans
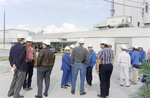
x=75, y=68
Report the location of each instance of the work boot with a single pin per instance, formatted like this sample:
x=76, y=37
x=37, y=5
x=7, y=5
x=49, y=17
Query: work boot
x=133, y=83
x=88, y=85
x=30, y=88
x=84, y=93
x=26, y=89
x=73, y=92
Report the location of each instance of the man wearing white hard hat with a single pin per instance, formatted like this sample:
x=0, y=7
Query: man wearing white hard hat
x=71, y=48
x=104, y=67
x=124, y=63
x=45, y=63
x=70, y=77
x=31, y=63
x=79, y=61
x=17, y=59
x=135, y=57
x=66, y=68
x=89, y=68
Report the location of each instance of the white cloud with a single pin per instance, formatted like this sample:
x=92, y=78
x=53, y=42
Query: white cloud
x=66, y=27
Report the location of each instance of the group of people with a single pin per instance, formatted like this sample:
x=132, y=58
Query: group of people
x=130, y=62
x=83, y=60
x=23, y=59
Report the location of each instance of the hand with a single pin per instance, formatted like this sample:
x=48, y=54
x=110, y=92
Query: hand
x=35, y=66
x=14, y=66
x=26, y=61
x=97, y=71
x=71, y=65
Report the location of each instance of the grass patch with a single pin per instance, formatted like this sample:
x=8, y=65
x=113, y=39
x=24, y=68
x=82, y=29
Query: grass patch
x=3, y=58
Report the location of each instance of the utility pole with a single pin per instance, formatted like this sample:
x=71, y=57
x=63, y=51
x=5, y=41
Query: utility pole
x=112, y=8
x=4, y=29
x=123, y=7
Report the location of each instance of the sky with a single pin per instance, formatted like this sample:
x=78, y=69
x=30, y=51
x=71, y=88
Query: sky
x=53, y=16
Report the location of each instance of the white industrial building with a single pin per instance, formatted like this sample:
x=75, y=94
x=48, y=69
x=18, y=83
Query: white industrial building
x=11, y=37
x=138, y=10
x=116, y=37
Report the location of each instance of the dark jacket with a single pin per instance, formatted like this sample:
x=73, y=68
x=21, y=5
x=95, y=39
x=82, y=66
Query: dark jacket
x=17, y=56
x=46, y=58
x=34, y=53
x=66, y=62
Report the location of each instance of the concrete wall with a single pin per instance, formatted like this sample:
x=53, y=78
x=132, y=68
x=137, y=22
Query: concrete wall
x=119, y=41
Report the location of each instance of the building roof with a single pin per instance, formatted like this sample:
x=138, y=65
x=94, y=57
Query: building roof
x=15, y=29
x=110, y=33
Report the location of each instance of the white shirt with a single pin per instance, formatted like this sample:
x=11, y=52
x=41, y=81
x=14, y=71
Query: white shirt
x=124, y=57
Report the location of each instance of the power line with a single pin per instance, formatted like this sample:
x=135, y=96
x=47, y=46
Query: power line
x=126, y=5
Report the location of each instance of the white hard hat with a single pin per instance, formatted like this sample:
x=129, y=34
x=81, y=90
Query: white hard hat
x=67, y=48
x=140, y=46
x=135, y=46
x=123, y=46
x=20, y=36
x=29, y=38
x=90, y=45
x=46, y=41
x=104, y=41
x=71, y=46
x=81, y=40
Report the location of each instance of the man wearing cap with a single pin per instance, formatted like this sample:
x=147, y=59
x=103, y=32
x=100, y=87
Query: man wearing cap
x=45, y=63
x=79, y=61
x=142, y=54
x=31, y=63
x=135, y=57
x=92, y=62
x=66, y=67
x=104, y=67
x=17, y=59
x=124, y=63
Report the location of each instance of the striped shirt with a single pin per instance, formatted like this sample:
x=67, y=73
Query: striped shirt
x=105, y=56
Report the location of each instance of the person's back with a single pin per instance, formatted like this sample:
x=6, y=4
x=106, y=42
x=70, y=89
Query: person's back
x=17, y=59
x=17, y=55
x=124, y=57
x=79, y=61
x=46, y=58
x=79, y=54
x=135, y=58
